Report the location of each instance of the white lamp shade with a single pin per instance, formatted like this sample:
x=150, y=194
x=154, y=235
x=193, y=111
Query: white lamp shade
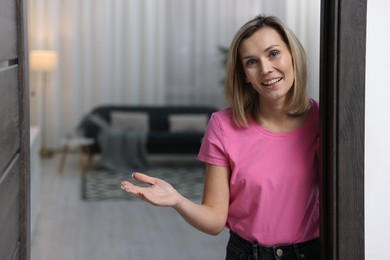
x=43, y=60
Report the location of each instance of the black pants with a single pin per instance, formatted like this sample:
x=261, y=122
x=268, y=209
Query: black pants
x=241, y=249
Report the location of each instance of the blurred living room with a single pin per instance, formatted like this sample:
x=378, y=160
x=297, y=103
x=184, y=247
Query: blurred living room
x=156, y=66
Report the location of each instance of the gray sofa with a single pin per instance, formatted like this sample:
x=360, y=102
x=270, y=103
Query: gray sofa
x=170, y=129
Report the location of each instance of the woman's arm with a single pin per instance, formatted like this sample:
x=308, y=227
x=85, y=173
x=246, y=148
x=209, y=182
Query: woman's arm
x=209, y=216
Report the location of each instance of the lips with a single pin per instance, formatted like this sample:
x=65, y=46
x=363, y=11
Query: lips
x=271, y=81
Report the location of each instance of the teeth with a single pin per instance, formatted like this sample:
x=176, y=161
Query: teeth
x=271, y=81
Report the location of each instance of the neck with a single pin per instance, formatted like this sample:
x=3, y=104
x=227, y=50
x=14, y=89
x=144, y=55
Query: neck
x=275, y=117
x=275, y=110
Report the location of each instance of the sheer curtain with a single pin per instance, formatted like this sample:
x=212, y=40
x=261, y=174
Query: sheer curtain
x=110, y=52
x=134, y=52
x=303, y=17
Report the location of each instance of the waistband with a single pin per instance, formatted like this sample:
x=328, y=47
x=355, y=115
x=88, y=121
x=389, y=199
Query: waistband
x=278, y=251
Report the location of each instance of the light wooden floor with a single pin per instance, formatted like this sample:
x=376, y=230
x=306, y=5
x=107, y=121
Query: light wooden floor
x=72, y=229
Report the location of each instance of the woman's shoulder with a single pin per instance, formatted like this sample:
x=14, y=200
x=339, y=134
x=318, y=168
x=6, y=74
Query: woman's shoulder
x=314, y=115
x=314, y=106
x=314, y=103
x=223, y=118
x=224, y=113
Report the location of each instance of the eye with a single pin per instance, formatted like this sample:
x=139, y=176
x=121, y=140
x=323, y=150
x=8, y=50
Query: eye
x=251, y=62
x=273, y=54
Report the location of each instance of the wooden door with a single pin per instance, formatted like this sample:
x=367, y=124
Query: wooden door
x=14, y=133
x=343, y=52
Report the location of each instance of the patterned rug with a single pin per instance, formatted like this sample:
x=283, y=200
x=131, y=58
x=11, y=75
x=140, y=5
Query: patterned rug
x=102, y=184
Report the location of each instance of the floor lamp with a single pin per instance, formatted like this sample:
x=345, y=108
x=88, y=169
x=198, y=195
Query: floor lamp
x=44, y=61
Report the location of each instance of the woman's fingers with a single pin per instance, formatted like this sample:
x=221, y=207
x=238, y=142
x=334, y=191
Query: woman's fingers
x=159, y=193
x=129, y=187
x=144, y=178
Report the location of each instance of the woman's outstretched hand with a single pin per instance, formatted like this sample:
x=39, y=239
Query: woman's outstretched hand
x=159, y=193
x=209, y=216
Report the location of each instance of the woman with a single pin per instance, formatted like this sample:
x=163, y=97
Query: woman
x=261, y=176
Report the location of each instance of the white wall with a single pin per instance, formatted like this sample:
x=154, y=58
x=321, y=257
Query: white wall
x=377, y=135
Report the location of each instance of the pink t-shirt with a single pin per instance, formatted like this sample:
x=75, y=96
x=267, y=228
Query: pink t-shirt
x=274, y=191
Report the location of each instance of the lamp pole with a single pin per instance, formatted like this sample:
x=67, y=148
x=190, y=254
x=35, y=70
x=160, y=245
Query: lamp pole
x=44, y=61
x=45, y=152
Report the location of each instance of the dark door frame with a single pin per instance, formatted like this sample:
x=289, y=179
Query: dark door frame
x=24, y=133
x=342, y=98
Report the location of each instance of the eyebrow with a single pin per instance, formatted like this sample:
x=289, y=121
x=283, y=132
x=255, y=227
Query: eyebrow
x=266, y=50
x=271, y=47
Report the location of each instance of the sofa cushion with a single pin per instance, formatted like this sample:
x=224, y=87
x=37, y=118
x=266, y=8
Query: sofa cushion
x=130, y=120
x=179, y=123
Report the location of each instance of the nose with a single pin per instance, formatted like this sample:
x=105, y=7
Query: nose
x=266, y=67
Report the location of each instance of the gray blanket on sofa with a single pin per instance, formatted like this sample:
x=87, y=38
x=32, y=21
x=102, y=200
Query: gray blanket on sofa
x=122, y=149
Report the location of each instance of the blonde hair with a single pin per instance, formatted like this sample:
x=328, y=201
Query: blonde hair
x=244, y=100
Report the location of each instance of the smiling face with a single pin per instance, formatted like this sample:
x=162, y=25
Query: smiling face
x=267, y=63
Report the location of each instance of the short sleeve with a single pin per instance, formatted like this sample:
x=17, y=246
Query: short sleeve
x=212, y=149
